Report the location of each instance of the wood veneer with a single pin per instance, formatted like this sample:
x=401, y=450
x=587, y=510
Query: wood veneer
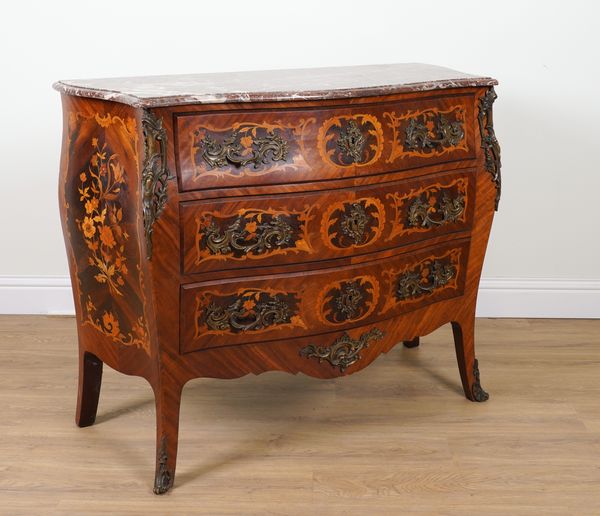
x=218, y=240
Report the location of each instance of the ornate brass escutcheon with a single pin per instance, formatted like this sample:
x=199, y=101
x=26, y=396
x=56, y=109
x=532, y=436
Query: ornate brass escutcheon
x=354, y=223
x=351, y=142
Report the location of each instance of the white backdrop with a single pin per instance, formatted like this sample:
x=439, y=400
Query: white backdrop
x=544, y=253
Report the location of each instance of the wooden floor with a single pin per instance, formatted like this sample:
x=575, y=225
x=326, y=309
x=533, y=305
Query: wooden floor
x=396, y=438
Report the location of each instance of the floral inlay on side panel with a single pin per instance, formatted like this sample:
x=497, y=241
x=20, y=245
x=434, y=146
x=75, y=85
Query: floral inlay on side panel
x=99, y=190
x=100, y=221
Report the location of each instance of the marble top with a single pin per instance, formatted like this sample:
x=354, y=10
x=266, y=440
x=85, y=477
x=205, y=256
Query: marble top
x=272, y=85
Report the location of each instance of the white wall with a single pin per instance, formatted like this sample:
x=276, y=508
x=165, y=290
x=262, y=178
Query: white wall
x=545, y=247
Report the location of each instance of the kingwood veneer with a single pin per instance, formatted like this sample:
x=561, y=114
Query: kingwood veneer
x=301, y=220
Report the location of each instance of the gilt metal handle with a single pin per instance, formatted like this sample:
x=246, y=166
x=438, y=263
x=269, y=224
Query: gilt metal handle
x=423, y=214
x=231, y=152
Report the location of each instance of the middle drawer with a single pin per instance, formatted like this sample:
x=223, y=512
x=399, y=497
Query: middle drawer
x=293, y=228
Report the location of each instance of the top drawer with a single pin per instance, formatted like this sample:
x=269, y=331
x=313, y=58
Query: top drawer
x=245, y=148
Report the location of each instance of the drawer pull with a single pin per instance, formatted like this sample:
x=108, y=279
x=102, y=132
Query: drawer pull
x=425, y=278
x=426, y=215
x=271, y=232
x=432, y=130
x=344, y=352
x=249, y=311
x=352, y=142
x=231, y=152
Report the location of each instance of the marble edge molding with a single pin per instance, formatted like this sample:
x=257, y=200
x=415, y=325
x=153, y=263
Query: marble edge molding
x=267, y=96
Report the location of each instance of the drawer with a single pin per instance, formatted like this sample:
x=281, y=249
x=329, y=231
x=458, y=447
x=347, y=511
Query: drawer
x=264, y=308
x=256, y=147
x=292, y=228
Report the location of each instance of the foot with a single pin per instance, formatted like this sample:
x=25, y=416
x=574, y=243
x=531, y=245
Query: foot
x=411, y=343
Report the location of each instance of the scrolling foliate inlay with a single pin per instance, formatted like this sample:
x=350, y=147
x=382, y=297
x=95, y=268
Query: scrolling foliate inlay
x=253, y=233
x=430, y=132
x=154, y=174
x=249, y=310
x=355, y=223
x=100, y=225
x=489, y=143
x=429, y=207
x=350, y=140
x=349, y=300
x=344, y=352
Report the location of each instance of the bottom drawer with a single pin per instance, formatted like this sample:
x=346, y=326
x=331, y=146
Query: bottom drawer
x=264, y=308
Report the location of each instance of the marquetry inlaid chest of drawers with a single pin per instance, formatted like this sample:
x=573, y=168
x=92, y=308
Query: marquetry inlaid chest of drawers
x=306, y=221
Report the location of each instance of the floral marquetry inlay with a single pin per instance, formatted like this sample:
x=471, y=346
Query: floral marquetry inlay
x=104, y=237
x=100, y=222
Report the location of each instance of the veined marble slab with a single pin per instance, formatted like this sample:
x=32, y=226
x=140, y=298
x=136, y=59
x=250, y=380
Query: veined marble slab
x=272, y=85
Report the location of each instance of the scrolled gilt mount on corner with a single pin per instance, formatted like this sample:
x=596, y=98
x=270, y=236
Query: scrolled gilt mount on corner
x=155, y=174
x=489, y=142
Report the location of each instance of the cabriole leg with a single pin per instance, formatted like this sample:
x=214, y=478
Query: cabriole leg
x=168, y=401
x=464, y=342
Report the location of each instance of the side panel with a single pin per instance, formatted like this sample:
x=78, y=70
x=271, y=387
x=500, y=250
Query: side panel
x=101, y=213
